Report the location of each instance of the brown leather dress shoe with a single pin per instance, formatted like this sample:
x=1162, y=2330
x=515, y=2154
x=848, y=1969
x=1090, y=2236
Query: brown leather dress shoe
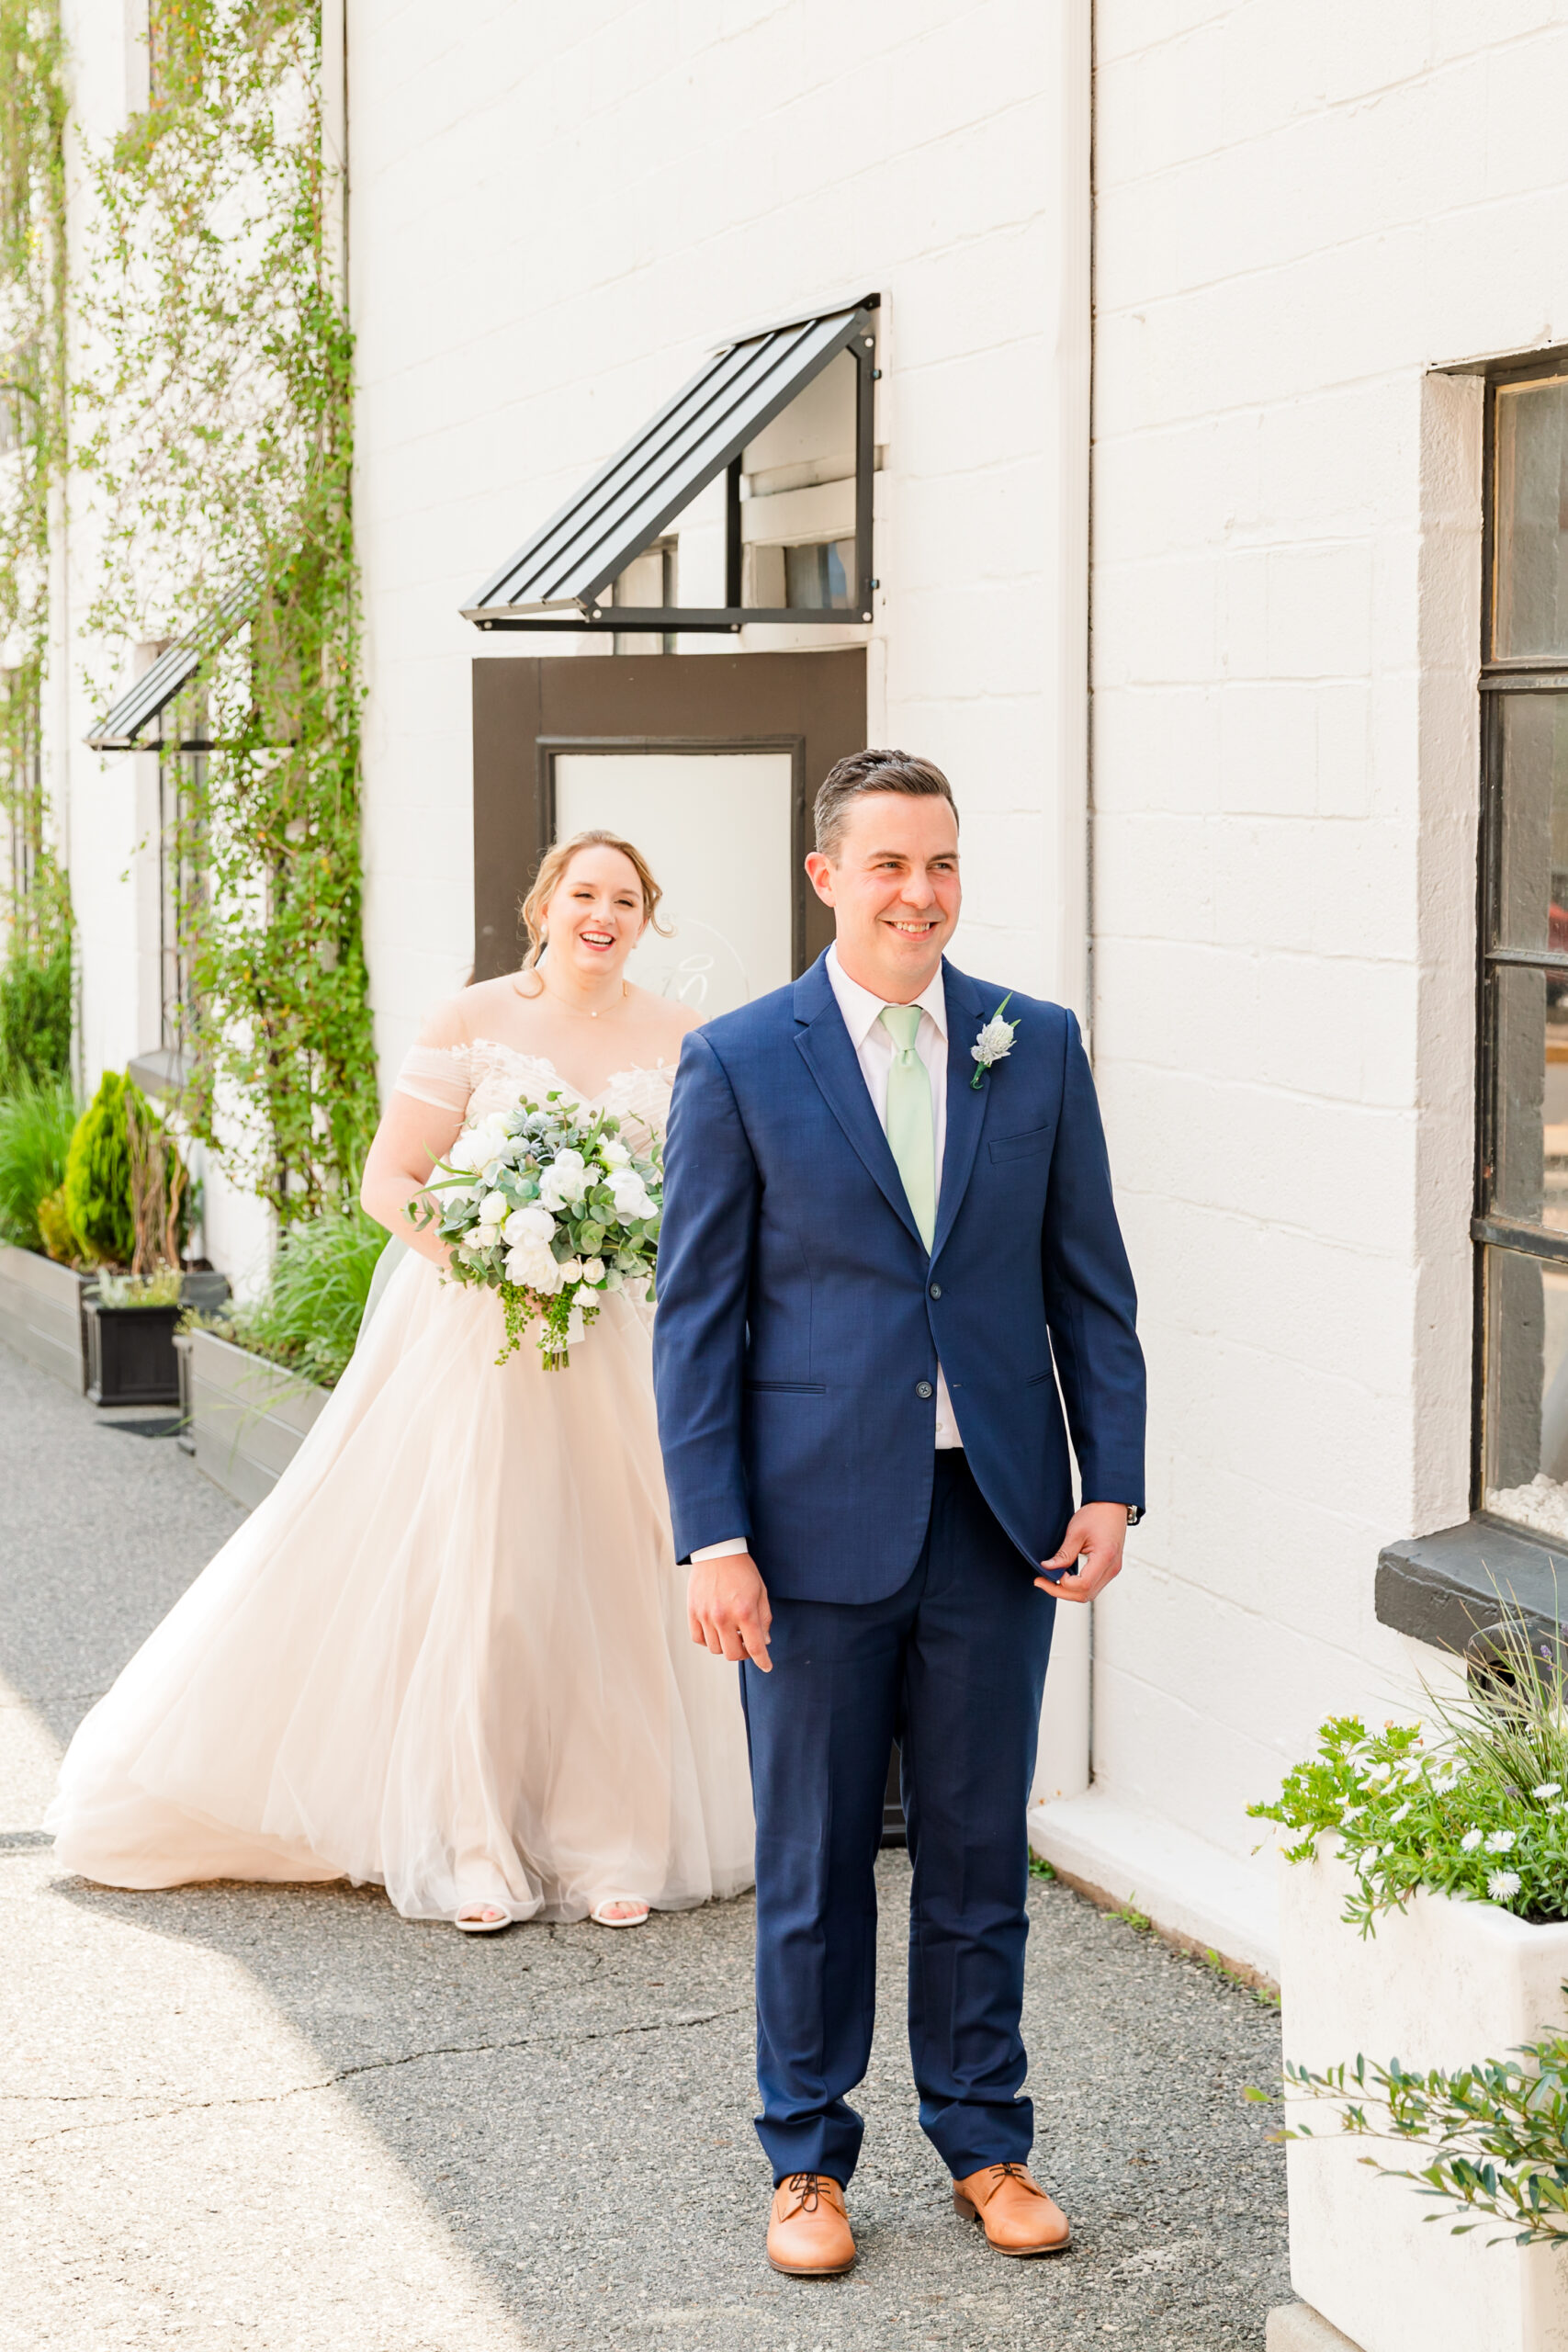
x=1014, y=2210
x=809, y=2230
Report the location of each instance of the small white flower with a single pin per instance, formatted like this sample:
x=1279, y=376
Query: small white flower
x=1379, y=1774
x=1353, y=1812
x=1471, y=1839
x=570, y=1271
x=1401, y=1816
x=1500, y=1885
x=593, y=1270
x=1500, y=1841
x=1548, y=1789
x=1446, y=1781
x=614, y=1154
x=494, y=1209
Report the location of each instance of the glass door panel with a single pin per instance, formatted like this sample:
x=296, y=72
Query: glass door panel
x=718, y=830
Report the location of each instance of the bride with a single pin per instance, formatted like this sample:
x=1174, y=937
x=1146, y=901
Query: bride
x=449, y=1652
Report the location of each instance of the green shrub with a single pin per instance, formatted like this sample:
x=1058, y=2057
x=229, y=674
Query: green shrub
x=35, y=1018
x=36, y=1123
x=98, y=1177
x=310, y=1314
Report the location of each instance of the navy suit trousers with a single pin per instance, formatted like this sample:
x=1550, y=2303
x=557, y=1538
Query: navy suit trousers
x=952, y=1665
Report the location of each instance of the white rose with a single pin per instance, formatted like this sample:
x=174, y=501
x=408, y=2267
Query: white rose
x=532, y=1224
x=569, y=1156
x=614, y=1154
x=563, y=1187
x=531, y=1266
x=630, y=1194
x=593, y=1270
x=494, y=1209
x=571, y=1270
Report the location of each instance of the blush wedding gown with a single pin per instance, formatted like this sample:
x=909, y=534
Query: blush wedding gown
x=448, y=1652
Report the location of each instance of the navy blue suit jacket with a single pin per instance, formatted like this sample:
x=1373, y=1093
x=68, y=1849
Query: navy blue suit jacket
x=800, y=1319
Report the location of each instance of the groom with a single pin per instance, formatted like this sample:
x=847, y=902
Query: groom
x=879, y=1256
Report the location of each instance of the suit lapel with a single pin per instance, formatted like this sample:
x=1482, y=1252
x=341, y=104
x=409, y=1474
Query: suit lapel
x=965, y=1104
x=825, y=1043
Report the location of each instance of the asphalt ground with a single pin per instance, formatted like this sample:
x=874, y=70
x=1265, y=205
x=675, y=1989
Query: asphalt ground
x=284, y=2116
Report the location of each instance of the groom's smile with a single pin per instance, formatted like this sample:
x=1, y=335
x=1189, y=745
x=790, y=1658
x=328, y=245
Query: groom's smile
x=891, y=877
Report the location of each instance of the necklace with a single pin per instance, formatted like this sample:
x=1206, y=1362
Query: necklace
x=580, y=1010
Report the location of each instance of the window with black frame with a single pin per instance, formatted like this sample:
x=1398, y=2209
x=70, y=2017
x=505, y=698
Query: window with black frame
x=1522, y=1178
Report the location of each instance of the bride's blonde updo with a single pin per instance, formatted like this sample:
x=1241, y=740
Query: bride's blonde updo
x=553, y=865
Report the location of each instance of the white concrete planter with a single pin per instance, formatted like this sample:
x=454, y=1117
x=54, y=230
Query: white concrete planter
x=245, y=1418
x=41, y=1313
x=1440, y=1985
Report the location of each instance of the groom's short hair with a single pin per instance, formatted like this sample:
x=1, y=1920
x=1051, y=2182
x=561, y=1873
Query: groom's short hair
x=864, y=771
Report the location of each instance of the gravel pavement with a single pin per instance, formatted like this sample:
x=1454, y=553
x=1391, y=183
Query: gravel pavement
x=280, y=2117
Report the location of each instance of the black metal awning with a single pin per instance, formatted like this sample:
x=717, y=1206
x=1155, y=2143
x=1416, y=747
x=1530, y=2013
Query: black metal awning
x=557, y=579
x=122, y=726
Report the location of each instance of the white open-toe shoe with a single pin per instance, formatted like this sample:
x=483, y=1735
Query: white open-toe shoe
x=480, y=1927
x=637, y=1919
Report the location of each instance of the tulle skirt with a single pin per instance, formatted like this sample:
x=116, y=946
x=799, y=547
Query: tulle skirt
x=448, y=1652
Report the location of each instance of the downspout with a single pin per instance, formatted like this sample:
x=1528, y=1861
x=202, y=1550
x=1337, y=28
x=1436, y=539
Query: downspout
x=1064, y=1761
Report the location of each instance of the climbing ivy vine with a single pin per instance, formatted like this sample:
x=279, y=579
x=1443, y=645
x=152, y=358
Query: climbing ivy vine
x=36, y=905
x=214, y=437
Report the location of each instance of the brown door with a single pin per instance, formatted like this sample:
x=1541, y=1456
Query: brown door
x=709, y=763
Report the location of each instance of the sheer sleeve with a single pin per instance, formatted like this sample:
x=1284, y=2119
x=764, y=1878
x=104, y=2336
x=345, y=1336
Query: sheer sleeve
x=440, y=1075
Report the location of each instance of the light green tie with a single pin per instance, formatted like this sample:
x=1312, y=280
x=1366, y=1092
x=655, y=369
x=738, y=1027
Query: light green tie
x=911, y=1136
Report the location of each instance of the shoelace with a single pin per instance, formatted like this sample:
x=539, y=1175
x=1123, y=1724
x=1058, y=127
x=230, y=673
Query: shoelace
x=805, y=2186
x=1012, y=2171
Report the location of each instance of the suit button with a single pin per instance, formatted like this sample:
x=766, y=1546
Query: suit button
x=936, y=1290
x=924, y=1388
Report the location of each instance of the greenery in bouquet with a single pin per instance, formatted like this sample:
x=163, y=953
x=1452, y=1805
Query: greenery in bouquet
x=1475, y=1808
x=547, y=1205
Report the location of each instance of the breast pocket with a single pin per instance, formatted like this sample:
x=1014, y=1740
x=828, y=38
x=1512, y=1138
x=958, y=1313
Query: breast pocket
x=1024, y=1146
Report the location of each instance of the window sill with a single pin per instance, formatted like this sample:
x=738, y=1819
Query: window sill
x=163, y=1075
x=1448, y=1587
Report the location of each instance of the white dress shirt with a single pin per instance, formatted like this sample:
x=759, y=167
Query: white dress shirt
x=872, y=1041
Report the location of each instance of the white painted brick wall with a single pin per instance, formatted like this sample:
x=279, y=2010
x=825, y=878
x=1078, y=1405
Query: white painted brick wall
x=1300, y=212
x=553, y=218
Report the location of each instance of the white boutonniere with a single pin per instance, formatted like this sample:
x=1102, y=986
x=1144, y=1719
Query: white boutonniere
x=994, y=1043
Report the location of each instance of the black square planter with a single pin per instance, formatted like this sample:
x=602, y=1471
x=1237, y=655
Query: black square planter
x=131, y=1354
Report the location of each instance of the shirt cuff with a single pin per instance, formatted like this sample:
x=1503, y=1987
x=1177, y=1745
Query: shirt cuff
x=728, y=1550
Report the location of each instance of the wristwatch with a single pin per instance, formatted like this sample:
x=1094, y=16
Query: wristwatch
x=1134, y=1513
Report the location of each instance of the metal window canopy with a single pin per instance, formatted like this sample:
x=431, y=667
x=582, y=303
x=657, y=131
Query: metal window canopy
x=570, y=563
x=121, y=727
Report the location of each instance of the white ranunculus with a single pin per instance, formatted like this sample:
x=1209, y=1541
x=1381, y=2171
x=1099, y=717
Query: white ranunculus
x=494, y=1209
x=531, y=1265
x=614, y=1154
x=593, y=1270
x=532, y=1224
x=469, y=1151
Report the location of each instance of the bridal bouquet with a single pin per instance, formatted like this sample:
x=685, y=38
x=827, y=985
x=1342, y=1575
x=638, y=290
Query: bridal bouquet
x=544, y=1205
